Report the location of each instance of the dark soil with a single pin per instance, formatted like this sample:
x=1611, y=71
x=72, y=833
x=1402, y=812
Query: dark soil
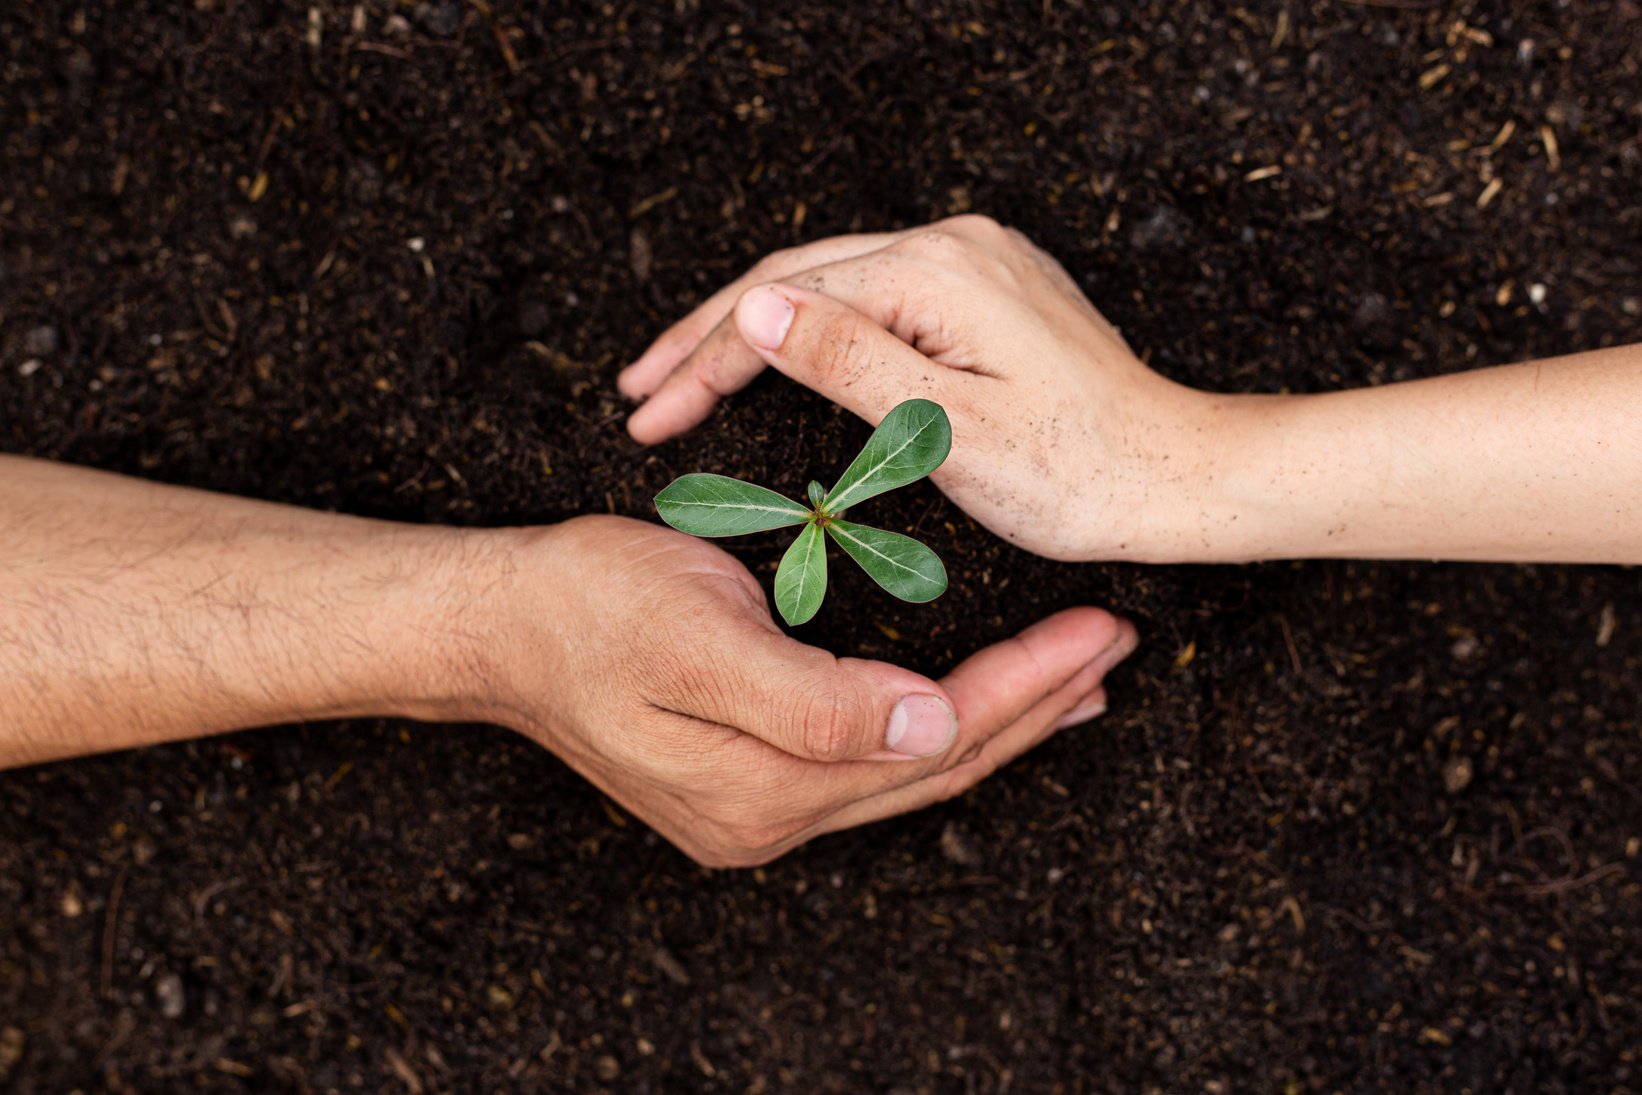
x=1347, y=827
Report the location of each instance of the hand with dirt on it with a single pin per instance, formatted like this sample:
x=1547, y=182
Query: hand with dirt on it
x=137, y=613
x=1067, y=444
x=648, y=661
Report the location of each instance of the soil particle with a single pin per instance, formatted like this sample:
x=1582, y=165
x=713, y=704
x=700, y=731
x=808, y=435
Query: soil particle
x=442, y=18
x=1375, y=320
x=957, y=848
x=12, y=1044
x=169, y=995
x=41, y=342
x=1456, y=775
x=1164, y=229
x=669, y=965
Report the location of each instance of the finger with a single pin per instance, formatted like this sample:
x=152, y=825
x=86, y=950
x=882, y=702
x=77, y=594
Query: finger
x=995, y=687
x=857, y=793
x=1079, y=700
x=831, y=347
x=814, y=706
x=724, y=362
x=647, y=373
x=720, y=365
x=887, y=286
x=649, y=369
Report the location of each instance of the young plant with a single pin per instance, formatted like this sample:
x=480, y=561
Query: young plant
x=908, y=444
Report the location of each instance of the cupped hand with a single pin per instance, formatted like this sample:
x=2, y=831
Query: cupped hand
x=648, y=661
x=1063, y=441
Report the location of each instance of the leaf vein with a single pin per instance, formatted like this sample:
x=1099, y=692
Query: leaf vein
x=867, y=477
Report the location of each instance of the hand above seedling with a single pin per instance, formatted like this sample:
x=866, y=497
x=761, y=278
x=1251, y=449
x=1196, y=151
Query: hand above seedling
x=908, y=444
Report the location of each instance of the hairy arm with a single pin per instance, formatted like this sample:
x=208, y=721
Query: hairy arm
x=133, y=613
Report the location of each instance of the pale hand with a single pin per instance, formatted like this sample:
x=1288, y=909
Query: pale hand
x=1064, y=442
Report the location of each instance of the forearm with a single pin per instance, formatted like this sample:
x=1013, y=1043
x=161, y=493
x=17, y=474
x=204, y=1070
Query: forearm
x=1533, y=462
x=132, y=613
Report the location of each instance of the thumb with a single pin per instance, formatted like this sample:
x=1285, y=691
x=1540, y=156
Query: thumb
x=832, y=348
x=806, y=702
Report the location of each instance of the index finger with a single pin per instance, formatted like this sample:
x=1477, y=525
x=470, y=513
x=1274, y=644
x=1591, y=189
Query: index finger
x=640, y=379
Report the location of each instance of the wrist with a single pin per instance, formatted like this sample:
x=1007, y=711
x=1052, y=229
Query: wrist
x=1191, y=492
x=471, y=630
x=389, y=622
x=511, y=611
x=1271, y=490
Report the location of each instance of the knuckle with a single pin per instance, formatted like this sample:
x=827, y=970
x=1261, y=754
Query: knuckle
x=947, y=257
x=1019, y=239
x=844, y=348
x=978, y=226
x=712, y=371
x=720, y=362
x=936, y=242
x=766, y=267
x=832, y=728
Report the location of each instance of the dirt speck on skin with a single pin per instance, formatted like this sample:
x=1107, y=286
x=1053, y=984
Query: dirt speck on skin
x=1261, y=870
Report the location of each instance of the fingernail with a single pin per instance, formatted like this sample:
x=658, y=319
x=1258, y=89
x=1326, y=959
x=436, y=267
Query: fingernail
x=921, y=726
x=764, y=317
x=1092, y=706
x=1122, y=646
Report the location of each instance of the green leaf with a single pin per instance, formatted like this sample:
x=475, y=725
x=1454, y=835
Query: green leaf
x=716, y=505
x=899, y=563
x=908, y=444
x=801, y=579
x=818, y=493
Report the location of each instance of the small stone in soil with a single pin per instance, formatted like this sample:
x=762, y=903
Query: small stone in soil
x=1456, y=775
x=168, y=993
x=639, y=254
x=1376, y=321
x=41, y=342
x=442, y=19
x=671, y=966
x=956, y=848
x=1164, y=229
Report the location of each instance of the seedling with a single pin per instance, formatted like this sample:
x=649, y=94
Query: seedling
x=908, y=444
